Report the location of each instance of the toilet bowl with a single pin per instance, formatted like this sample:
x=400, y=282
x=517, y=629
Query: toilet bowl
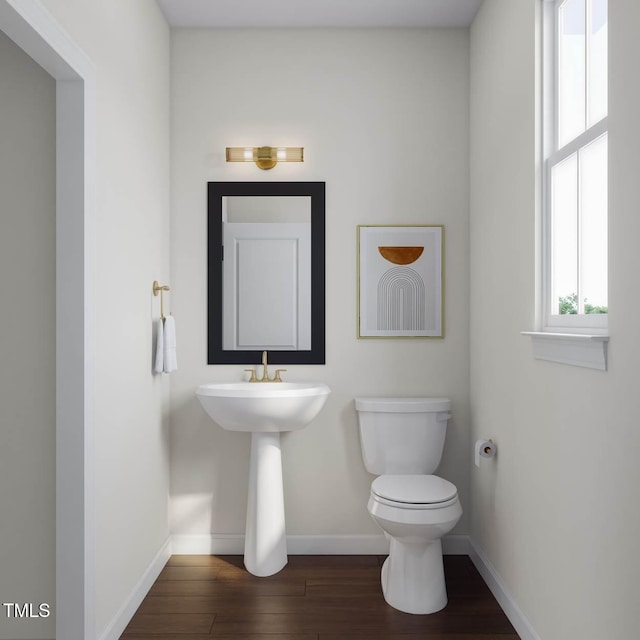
x=414, y=511
x=402, y=442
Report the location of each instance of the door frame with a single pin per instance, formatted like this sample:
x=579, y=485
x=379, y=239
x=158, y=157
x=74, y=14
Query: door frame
x=37, y=33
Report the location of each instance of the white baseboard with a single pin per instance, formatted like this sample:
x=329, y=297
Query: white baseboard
x=123, y=616
x=337, y=545
x=375, y=544
x=296, y=545
x=501, y=593
x=207, y=544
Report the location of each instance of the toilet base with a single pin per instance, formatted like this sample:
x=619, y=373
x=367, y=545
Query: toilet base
x=413, y=576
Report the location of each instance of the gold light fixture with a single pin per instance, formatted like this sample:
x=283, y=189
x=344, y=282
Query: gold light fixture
x=265, y=157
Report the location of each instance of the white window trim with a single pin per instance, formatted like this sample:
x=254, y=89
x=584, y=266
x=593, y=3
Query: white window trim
x=578, y=340
x=579, y=350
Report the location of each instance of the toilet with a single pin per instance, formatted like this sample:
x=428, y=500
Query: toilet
x=402, y=442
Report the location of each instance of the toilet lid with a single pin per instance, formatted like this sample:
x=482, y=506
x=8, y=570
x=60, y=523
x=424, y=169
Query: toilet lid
x=414, y=489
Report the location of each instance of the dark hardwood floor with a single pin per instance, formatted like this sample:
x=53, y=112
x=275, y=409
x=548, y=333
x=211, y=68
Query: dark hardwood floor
x=312, y=598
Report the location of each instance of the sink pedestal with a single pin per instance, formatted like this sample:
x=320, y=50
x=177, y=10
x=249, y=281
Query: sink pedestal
x=265, y=410
x=265, y=547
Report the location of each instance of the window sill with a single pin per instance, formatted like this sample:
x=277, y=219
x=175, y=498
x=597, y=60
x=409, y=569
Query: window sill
x=570, y=348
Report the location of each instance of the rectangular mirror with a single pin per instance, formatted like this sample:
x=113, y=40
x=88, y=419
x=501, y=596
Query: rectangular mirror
x=266, y=263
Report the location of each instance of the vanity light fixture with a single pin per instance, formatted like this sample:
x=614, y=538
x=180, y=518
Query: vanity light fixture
x=265, y=157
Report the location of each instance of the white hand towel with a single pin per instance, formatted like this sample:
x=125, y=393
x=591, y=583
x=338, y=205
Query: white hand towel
x=159, y=359
x=170, y=356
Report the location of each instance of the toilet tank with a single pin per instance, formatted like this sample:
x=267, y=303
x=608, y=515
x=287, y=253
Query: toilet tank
x=402, y=435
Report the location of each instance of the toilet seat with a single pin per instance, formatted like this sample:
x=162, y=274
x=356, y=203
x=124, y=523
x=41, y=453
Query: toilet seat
x=414, y=491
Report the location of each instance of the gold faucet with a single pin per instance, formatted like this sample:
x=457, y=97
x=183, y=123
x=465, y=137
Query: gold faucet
x=265, y=372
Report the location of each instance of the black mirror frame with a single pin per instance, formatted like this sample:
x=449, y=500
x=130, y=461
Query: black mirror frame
x=215, y=192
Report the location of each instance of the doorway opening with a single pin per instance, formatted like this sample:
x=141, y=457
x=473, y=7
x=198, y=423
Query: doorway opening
x=37, y=34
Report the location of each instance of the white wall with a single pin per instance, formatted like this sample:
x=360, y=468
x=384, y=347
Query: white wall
x=27, y=340
x=383, y=117
x=555, y=513
x=129, y=45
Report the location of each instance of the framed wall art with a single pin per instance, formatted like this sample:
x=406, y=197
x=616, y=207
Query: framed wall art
x=400, y=281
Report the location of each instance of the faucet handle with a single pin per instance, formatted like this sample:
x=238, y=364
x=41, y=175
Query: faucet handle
x=277, y=377
x=253, y=377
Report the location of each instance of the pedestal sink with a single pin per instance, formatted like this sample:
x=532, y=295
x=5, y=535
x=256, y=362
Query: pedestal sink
x=264, y=409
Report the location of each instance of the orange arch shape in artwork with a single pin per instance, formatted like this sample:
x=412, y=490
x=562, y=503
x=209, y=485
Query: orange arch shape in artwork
x=401, y=255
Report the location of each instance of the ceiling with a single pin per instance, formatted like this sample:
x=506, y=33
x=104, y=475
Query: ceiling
x=319, y=13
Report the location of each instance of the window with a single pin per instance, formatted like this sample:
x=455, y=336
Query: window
x=574, y=228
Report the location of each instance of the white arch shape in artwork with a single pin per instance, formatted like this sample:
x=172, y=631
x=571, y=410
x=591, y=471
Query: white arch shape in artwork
x=401, y=301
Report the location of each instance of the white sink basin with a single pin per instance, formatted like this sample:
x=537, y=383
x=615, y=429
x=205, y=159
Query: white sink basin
x=265, y=409
x=263, y=406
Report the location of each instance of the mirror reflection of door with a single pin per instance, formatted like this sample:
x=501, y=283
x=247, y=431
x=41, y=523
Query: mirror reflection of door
x=267, y=273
